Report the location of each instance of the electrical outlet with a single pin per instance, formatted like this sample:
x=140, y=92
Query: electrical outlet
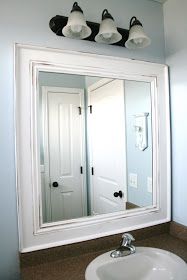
x=149, y=185
x=133, y=179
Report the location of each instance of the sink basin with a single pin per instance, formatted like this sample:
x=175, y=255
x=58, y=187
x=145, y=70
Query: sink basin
x=145, y=264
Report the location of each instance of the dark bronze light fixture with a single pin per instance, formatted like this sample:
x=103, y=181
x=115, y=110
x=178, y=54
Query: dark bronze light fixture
x=77, y=27
x=137, y=37
x=108, y=32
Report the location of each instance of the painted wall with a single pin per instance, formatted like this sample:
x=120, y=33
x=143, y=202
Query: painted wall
x=176, y=57
x=28, y=22
x=137, y=101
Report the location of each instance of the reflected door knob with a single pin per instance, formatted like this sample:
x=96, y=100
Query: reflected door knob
x=120, y=194
x=55, y=184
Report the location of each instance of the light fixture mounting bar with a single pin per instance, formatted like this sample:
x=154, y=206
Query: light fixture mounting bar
x=58, y=22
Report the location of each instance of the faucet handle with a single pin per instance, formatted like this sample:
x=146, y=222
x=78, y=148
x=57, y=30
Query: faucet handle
x=127, y=238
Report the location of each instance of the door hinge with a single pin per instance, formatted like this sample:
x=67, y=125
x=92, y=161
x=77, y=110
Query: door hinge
x=80, y=110
x=90, y=107
x=50, y=182
x=92, y=171
x=81, y=170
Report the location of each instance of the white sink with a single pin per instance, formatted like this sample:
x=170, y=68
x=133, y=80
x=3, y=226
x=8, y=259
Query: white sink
x=145, y=264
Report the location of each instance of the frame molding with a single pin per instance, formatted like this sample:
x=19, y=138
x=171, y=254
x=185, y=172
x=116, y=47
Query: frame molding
x=29, y=60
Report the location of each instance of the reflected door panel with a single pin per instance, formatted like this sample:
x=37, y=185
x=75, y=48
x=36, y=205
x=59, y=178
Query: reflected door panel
x=107, y=146
x=64, y=154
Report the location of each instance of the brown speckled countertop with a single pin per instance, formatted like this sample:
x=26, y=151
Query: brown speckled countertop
x=73, y=267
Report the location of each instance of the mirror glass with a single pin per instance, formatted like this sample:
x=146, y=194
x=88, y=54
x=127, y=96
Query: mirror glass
x=95, y=137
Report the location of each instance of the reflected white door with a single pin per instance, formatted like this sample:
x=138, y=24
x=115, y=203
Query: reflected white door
x=107, y=146
x=65, y=133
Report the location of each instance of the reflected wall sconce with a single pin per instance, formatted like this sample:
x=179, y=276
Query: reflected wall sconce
x=76, y=27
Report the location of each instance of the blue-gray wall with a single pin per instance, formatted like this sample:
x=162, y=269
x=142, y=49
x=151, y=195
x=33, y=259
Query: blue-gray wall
x=137, y=101
x=27, y=22
x=176, y=58
x=51, y=79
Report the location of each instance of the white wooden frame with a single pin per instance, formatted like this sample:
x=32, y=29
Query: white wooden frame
x=28, y=61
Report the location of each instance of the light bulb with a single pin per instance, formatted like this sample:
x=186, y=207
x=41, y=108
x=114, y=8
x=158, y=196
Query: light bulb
x=138, y=41
x=107, y=35
x=76, y=28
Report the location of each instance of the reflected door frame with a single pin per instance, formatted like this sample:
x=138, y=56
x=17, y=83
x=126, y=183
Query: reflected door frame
x=47, y=193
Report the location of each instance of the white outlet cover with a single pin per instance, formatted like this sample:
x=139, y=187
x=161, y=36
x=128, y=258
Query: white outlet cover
x=133, y=180
x=149, y=185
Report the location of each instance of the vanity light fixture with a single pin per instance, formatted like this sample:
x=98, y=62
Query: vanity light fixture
x=137, y=37
x=108, y=32
x=77, y=27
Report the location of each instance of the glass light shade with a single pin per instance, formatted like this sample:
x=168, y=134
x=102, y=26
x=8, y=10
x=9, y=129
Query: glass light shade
x=108, y=33
x=76, y=26
x=137, y=38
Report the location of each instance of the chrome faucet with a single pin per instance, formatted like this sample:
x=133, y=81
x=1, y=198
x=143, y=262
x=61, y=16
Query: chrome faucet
x=126, y=248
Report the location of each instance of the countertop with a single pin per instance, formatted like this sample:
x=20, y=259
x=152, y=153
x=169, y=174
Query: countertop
x=73, y=267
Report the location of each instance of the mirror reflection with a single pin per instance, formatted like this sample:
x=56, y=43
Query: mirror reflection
x=95, y=139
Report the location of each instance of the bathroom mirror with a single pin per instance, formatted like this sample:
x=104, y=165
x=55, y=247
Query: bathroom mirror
x=92, y=146
x=95, y=145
